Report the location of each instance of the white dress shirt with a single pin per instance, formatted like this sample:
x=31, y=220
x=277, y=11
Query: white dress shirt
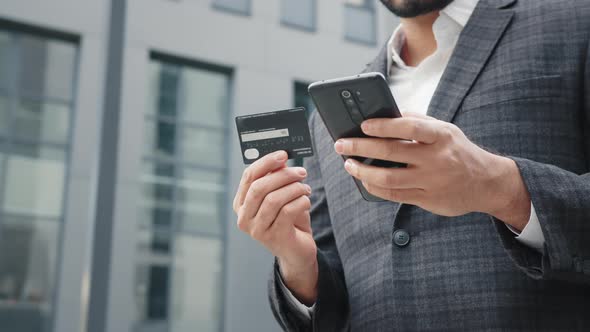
x=413, y=88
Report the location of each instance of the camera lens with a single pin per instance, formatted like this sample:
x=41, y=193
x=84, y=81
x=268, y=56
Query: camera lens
x=346, y=94
x=359, y=98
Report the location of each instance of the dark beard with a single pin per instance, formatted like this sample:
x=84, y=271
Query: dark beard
x=413, y=8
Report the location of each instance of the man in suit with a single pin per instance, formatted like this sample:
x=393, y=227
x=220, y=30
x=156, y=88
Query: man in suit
x=488, y=228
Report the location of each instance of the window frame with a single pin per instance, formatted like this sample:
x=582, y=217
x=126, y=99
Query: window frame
x=177, y=160
x=16, y=30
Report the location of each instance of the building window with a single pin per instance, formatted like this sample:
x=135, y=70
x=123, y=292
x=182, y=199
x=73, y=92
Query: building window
x=37, y=75
x=302, y=99
x=234, y=6
x=301, y=96
x=299, y=14
x=360, y=21
x=184, y=194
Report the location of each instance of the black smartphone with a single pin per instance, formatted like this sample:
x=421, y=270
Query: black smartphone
x=344, y=103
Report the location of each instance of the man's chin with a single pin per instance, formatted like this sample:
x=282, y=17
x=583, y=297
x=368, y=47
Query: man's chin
x=414, y=8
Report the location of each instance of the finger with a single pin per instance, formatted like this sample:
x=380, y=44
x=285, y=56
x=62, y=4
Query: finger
x=393, y=178
x=273, y=203
x=291, y=213
x=405, y=196
x=410, y=128
x=258, y=169
x=417, y=115
x=267, y=184
x=379, y=148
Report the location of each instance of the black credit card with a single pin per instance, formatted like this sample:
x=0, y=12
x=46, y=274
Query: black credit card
x=264, y=133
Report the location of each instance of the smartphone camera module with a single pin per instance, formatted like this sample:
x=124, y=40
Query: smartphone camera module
x=351, y=105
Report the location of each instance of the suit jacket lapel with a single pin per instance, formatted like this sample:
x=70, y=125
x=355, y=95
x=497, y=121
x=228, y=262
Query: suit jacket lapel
x=474, y=47
x=379, y=65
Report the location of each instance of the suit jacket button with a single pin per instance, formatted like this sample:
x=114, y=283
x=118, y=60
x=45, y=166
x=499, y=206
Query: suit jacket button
x=401, y=238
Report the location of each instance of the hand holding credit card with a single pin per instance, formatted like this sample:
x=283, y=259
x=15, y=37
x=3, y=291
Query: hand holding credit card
x=264, y=133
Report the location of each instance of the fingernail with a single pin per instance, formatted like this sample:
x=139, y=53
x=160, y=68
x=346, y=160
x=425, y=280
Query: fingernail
x=308, y=189
x=339, y=146
x=301, y=171
x=349, y=165
x=365, y=126
x=280, y=156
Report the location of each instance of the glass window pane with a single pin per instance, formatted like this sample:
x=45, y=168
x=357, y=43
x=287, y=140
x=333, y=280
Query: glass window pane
x=59, y=73
x=34, y=186
x=154, y=216
x=160, y=169
x=360, y=3
x=153, y=89
x=196, y=288
x=203, y=146
x=239, y=6
x=302, y=99
x=299, y=13
x=42, y=121
x=155, y=243
x=167, y=90
x=4, y=114
x=158, y=292
x=158, y=195
x=160, y=138
x=147, y=254
x=47, y=67
x=28, y=256
x=33, y=57
x=159, y=189
x=204, y=97
x=152, y=280
x=360, y=24
x=6, y=60
x=200, y=201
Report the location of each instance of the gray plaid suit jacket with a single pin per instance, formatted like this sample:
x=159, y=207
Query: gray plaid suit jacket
x=518, y=83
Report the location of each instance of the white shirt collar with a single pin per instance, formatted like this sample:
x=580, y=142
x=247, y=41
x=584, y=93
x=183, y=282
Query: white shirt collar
x=459, y=11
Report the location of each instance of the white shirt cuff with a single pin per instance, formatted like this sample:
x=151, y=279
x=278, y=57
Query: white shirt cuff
x=531, y=235
x=305, y=310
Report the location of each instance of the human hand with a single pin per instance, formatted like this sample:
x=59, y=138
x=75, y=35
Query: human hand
x=273, y=208
x=447, y=174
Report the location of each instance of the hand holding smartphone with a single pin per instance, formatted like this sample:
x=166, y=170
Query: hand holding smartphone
x=344, y=103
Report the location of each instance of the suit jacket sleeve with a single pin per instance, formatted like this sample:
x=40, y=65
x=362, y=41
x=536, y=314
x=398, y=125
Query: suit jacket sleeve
x=331, y=311
x=562, y=203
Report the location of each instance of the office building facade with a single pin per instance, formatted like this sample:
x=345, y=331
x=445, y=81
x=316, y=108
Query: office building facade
x=168, y=254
